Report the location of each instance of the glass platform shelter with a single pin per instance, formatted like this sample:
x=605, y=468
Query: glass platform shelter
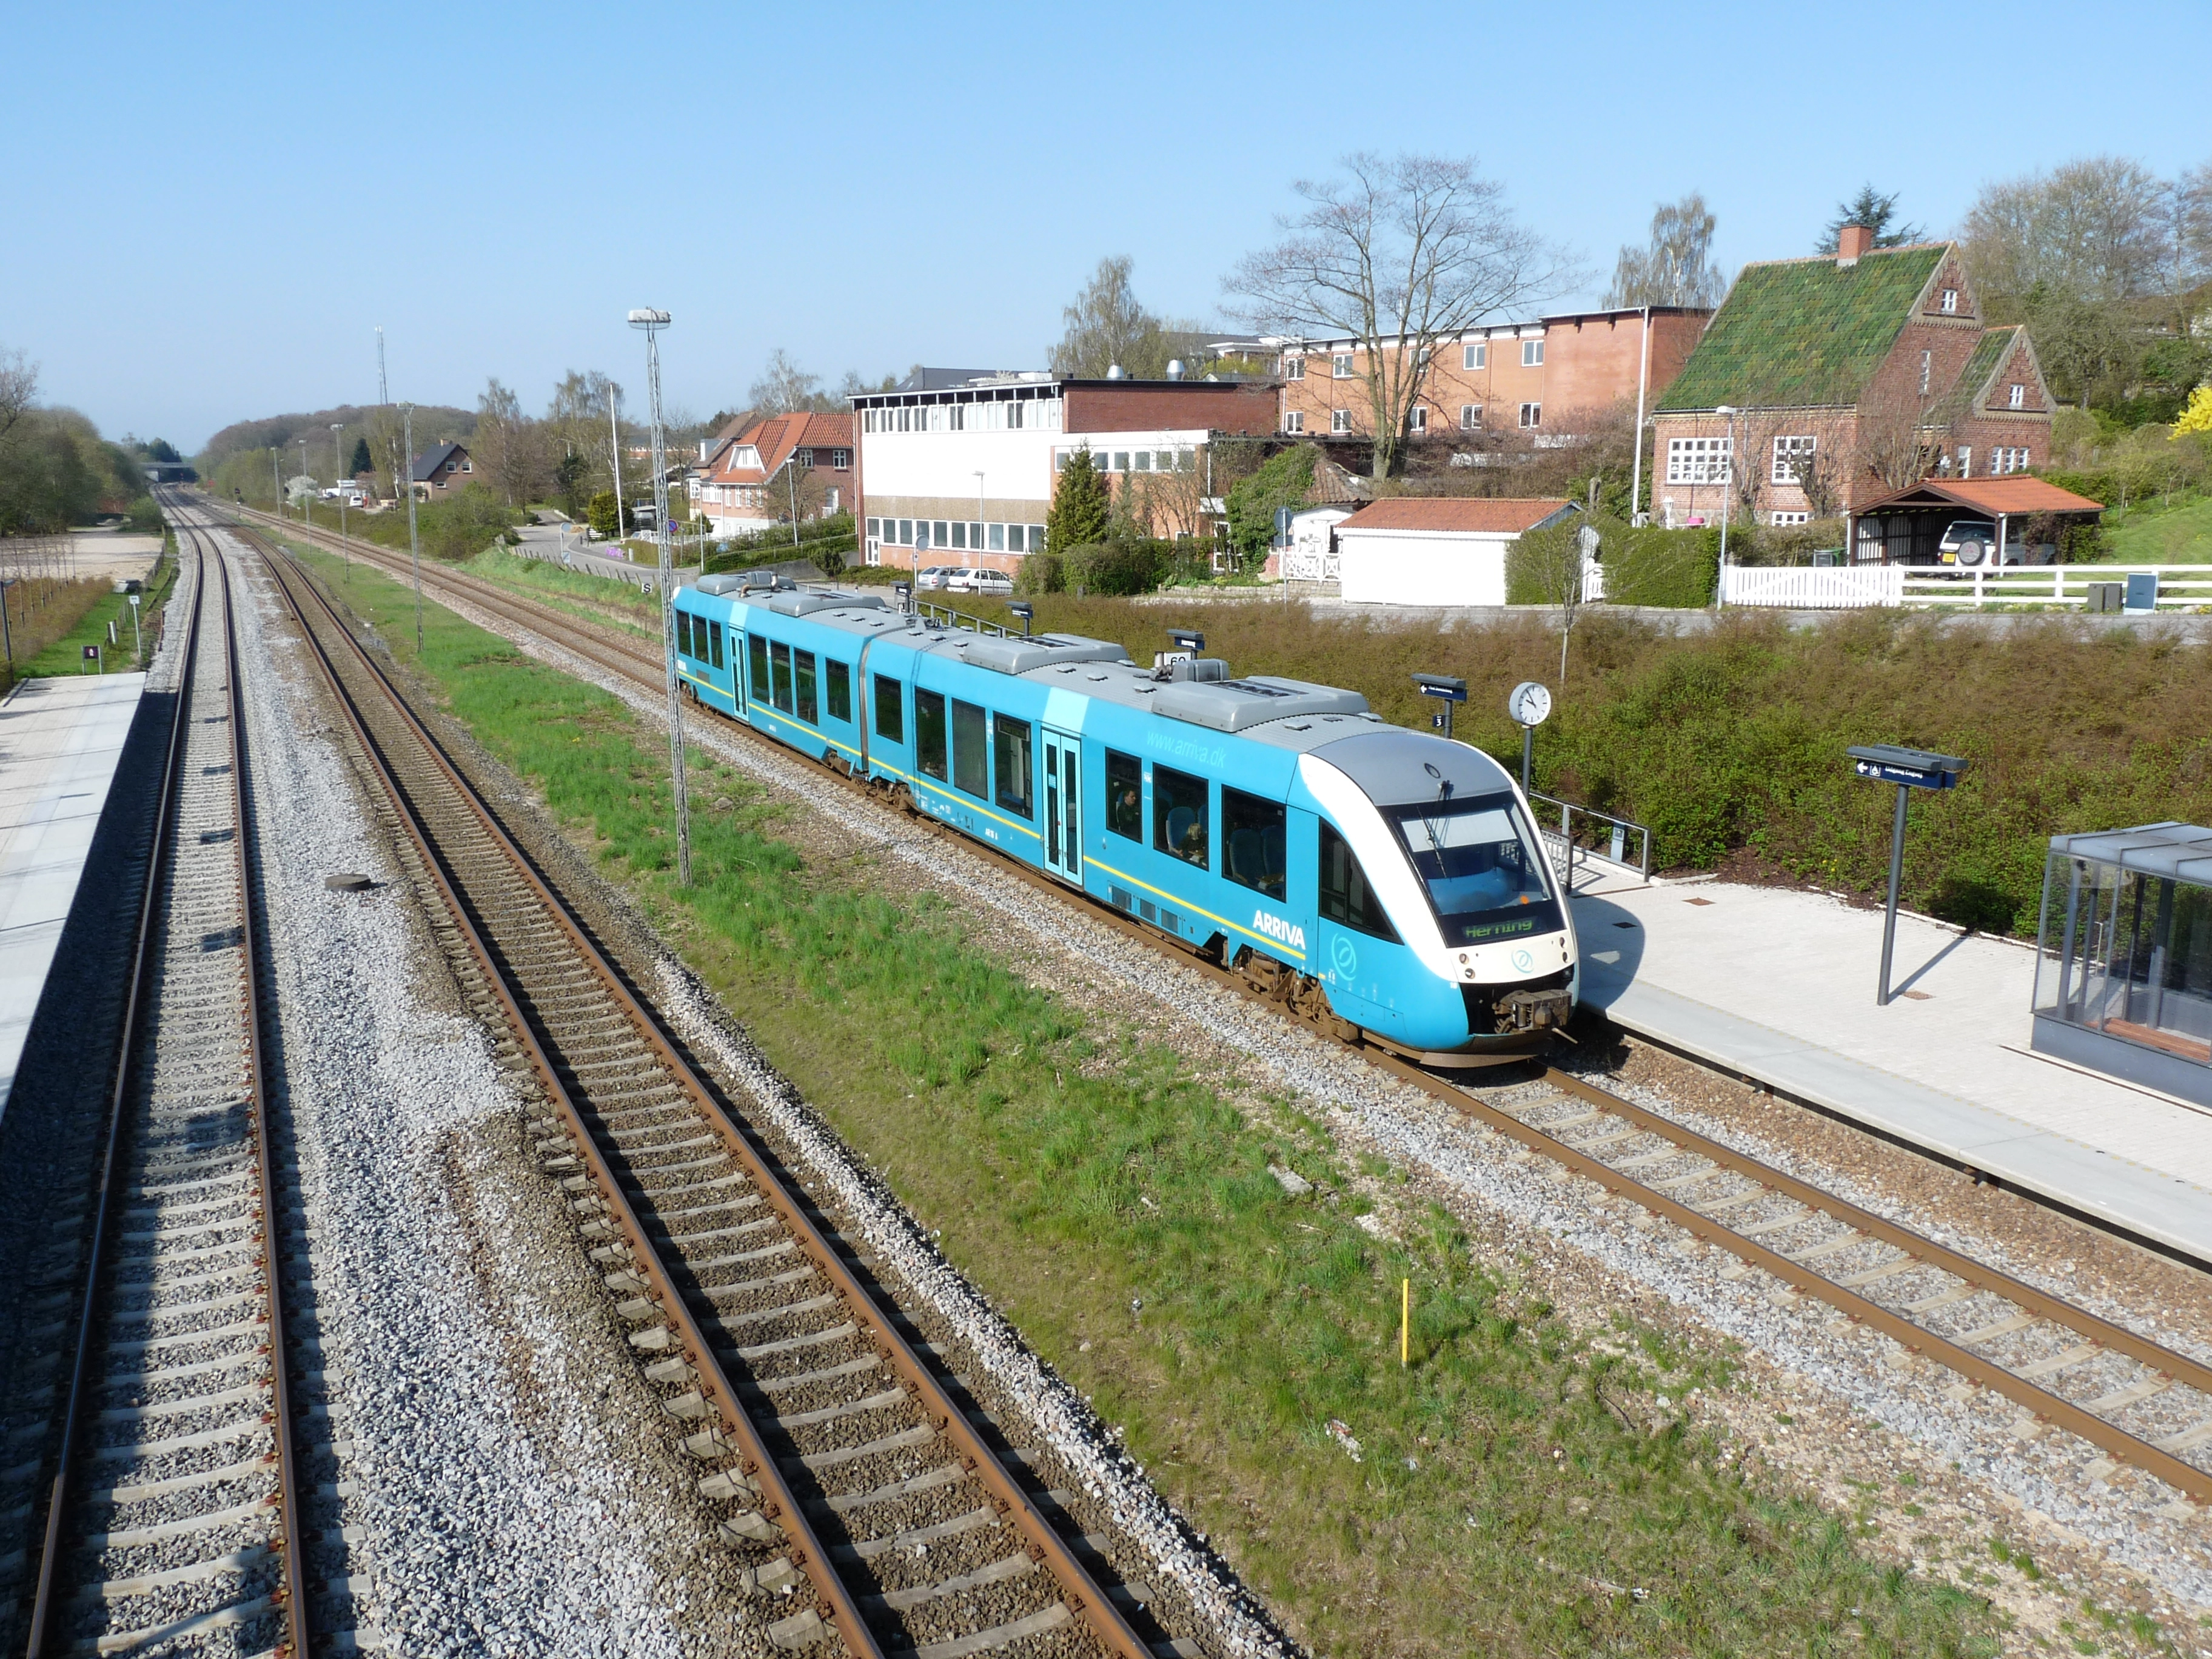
x=2123, y=970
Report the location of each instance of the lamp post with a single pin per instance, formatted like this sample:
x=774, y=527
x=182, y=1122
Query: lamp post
x=307, y=497
x=276, y=479
x=6, y=638
x=338, y=426
x=651, y=323
x=614, y=456
x=1727, y=489
x=413, y=541
x=979, y=514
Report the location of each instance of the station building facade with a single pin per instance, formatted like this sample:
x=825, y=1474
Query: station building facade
x=959, y=468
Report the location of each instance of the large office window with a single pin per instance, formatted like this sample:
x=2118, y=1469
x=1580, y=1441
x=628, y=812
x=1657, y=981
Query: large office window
x=803, y=664
x=1010, y=744
x=929, y=734
x=971, y=750
x=779, y=668
x=1345, y=895
x=1125, y=795
x=1252, y=834
x=890, y=710
x=1179, y=821
x=839, y=676
x=760, y=668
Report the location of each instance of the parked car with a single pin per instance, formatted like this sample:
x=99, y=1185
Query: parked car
x=934, y=577
x=979, y=581
x=1970, y=542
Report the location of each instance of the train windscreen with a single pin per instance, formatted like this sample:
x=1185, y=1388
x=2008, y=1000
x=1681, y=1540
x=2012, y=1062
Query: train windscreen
x=1482, y=868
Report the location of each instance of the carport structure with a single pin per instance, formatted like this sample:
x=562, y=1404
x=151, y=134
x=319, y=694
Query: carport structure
x=1907, y=526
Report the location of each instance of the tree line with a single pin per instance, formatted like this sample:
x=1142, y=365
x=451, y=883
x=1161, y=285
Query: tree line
x=56, y=470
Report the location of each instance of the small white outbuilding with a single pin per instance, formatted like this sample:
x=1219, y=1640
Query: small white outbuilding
x=1435, y=550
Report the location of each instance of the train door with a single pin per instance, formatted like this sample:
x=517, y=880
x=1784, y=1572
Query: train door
x=1063, y=796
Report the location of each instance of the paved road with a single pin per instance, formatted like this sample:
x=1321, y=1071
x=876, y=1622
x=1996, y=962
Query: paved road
x=565, y=544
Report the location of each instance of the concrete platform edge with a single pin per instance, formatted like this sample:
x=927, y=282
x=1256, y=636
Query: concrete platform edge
x=2164, y=1211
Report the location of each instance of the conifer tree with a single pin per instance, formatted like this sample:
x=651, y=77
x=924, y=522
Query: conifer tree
x=1080, y=507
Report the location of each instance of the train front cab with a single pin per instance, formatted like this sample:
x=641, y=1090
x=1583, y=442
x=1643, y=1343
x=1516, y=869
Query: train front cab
x=1441, y=927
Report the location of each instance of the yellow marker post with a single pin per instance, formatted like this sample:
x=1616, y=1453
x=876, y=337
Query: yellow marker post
x=1405, y=1322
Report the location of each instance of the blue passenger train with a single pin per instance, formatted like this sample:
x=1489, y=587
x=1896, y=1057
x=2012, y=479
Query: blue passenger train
x=1367, y=876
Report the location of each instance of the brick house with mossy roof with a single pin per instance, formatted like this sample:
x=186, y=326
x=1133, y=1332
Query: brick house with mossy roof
x=1849, y=375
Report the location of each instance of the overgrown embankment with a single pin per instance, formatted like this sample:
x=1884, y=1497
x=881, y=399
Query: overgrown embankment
x=1731, y=741
x=1521, y=1491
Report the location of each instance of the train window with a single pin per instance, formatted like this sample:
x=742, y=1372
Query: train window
x=803, y=671
x=1179, y=823
x=839, y=676
x=714, y=643
x=760, y=669
x=1252, y=841
x=1345, y=895
x=779, y=668
x=1125, y=795
x=971, y=750
x=1013, y=744
x=891, y=711
x=683, y=632
x=1482, y=868
x=929, y=731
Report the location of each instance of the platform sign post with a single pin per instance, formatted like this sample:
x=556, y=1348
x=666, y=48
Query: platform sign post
x=1530, y=705
x=1909, y=769
x=92, y=656
x=1445, y=689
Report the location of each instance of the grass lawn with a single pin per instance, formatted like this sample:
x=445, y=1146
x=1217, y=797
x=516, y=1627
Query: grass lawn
x=2150, y=535
x=1517, y=1492
x=66, y=654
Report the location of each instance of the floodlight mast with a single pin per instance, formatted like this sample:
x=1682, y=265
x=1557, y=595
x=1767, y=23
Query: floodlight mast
x=650, y=323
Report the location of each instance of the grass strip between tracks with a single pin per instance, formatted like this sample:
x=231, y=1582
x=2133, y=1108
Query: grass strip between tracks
x=1518, y=1490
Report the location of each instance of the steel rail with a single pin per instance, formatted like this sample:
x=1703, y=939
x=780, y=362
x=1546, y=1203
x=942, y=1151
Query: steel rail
x=1082, y=1594
x=126, y=1071
x=2118, y=1442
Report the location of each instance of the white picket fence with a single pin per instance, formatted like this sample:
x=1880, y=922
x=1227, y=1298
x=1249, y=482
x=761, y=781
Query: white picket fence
x=1795, y=588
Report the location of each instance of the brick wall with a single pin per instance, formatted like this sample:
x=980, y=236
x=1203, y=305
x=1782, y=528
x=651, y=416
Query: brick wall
x=1153, y=406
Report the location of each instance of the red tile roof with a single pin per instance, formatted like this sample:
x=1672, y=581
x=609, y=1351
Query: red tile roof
x=1469, y=515
x=1989, y=496
x=775, y=437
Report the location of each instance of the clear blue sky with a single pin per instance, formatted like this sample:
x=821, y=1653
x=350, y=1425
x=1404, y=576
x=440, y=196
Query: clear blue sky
x=209, y=209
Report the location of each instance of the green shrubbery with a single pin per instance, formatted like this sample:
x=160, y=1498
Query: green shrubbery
x=1651, y=566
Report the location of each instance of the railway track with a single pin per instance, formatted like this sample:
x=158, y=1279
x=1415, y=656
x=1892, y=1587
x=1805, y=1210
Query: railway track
x=173, y=1518
x=859, y=1496
x=2137, y=1401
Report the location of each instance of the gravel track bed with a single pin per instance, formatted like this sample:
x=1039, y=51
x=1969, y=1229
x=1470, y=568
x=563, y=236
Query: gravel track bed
x=1863, y=1409
x=472, y=1454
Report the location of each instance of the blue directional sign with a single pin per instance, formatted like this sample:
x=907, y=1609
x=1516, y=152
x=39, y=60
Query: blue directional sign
x=1915, y=768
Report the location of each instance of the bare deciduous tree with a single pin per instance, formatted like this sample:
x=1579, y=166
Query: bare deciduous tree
x=19, y=385
x=785, y=388
x=1107, y=326
x=1413, y=250
x=1673, y=270
x=507, y=443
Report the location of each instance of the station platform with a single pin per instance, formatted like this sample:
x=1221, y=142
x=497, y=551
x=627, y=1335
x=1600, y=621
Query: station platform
x=1778, y=987
x=61, y=740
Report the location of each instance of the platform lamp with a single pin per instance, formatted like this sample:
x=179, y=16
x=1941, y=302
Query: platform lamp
x=650, y=323
x=338, y=461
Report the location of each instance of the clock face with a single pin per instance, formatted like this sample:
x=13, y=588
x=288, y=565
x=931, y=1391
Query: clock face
x=1529, y=703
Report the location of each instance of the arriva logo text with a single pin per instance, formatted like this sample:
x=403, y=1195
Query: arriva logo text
x=1276, y=928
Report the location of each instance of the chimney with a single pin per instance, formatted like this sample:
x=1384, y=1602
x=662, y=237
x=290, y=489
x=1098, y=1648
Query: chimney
x=1852, y=241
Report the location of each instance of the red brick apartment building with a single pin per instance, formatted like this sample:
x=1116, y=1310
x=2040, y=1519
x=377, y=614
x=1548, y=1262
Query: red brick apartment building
x=1849, y=375
x=1539, y=377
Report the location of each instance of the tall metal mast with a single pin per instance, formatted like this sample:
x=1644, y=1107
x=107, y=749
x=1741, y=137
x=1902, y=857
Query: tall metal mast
x=652, y=322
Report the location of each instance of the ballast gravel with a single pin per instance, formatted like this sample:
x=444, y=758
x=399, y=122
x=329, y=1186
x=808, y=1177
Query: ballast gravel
x=484, y=1504
x=1861, y=1410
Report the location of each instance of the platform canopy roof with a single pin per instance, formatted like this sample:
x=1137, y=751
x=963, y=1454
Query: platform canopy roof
x=1988, y=496
x=2178, y=852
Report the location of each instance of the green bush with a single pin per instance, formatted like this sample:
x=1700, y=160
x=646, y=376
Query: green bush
x=144, y=518
x=1675, y=568
x=1116, y=570
x=465, y=523
x=1283, y=480
x=1042, y=573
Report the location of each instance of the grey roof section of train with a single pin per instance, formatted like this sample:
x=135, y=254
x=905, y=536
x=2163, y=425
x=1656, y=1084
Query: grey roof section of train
x=1391, y=765
x=1284, y=714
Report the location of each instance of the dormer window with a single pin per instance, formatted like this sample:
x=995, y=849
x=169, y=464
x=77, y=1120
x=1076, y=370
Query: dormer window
x=1950, y=302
